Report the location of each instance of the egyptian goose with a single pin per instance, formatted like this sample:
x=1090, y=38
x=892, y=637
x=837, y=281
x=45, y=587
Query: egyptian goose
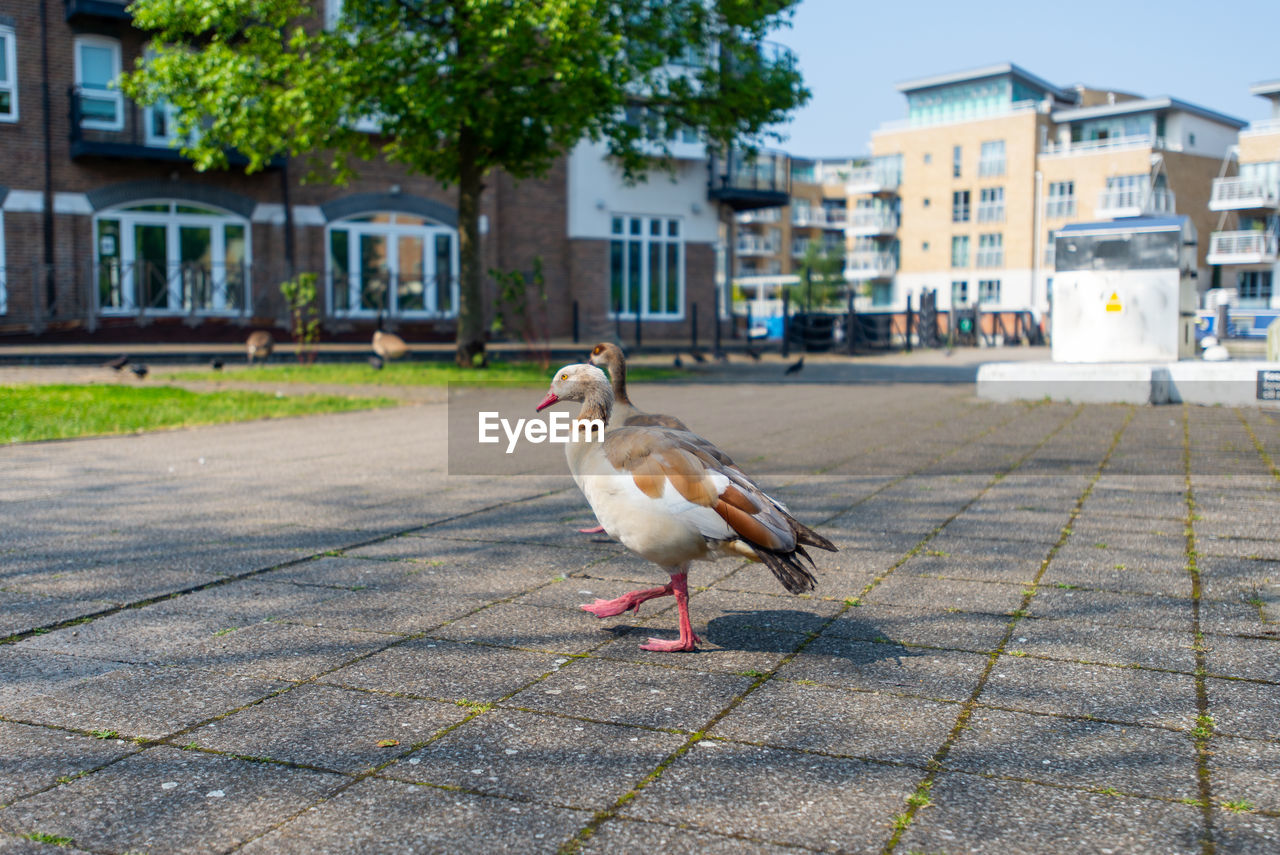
x=259, y=343
x=388, y=346
x=609, y=356
x=667, y=496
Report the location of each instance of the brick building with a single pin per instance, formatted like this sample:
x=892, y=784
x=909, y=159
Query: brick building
x=107, y=231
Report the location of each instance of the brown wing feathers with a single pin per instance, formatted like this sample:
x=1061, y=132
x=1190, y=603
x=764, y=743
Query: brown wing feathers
x=776, y=537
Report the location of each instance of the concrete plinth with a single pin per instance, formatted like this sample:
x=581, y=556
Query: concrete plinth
x=1233, y=384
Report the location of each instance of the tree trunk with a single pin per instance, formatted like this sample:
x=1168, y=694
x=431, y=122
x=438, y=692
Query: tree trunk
x=470, y=341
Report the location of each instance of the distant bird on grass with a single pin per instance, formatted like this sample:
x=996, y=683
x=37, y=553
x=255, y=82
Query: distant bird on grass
x=795, y=367
x=677, y=362
x=216, y=365
x=119, y=362
x=388, y=346
x=375, y=362
x=698, y=357
x=258, y=344
x=753, y=353
x=139, y=369
x=722, y=357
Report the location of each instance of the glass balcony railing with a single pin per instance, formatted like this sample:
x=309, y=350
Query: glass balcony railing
x=1243, y=247
x=1243, y=194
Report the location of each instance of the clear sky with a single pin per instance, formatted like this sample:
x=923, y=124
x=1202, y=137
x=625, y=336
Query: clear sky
x=852, y=52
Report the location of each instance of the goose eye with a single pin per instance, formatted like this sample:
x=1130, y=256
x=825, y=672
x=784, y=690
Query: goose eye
x=564, y=376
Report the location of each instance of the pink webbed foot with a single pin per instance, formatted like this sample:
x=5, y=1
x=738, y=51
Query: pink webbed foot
x=627, y=602
x=597, y=530
x=680, y=645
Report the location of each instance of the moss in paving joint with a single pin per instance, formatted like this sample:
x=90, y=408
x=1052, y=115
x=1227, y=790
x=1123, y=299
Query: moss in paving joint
x=51, y=839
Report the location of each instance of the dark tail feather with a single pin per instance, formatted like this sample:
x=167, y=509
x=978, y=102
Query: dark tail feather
x=788, y=569
x=804, y=534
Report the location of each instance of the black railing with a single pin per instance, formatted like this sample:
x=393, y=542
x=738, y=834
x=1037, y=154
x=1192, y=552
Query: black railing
x=146, y=288
x=745, y=181
x=394, y=293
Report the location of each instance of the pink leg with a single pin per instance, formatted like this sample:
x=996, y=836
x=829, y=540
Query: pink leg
x=628, y=601
x=597, y=530
x=687, y=641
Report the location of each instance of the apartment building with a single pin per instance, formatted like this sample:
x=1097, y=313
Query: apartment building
x=771, y=243
x=1247, y=228
x=963, y=195
x=107, y=231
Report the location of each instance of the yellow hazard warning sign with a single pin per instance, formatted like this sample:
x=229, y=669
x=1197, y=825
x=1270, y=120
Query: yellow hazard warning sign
x=1113, y=303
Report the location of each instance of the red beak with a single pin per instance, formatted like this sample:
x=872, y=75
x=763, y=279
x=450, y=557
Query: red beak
x=551, y=398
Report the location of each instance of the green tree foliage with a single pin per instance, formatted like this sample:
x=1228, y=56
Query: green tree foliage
x=456, y=89
x=822, y=281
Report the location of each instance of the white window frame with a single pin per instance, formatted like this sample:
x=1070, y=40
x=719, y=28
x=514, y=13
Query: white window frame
x=10, y=84
x=991, y=159
x=988, y=291
x=1060, y=205
x=172, y=221
x=110, y=93
x=4, y=273
x=391, y=231
x=991, y=210
x=960, y=247
x=646, y=240
x=990, y=250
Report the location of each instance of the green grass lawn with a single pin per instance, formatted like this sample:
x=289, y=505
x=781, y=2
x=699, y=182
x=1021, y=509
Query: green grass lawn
x=398, y=374
x=30, y=413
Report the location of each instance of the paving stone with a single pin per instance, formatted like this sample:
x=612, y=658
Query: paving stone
x=1139, y=610
x=1248, y=658
x=626, y=693
x=1245, y=770
x=148, y=701
x=24, y=846
x=974, y=815
x=973, y=568
x=374, y=815
x=284, y=651
x=32, y=758
x=249, y=601
x=328, y=727
x=932, y=628
x=1103, y=643
x=343, y=572
x=1124, y=575
x=1245, y=833
x=1241, y=547
x=118, y=585
x=1080, y=753
x=398, y=612
x=942, y=674
x=30, y=673
x=25, y=612
x=528, y=627
x=542, y=758
x=783, y=796
x=164, y=799
x=1104, y=692
x=630, y=837
x=726, y=646
x=925, y=593
x=447, y=670
x=725, y=608
x=147, y=635
x=839, y=721
x=1242, y=708
x=984, y=547
x=1235, y=578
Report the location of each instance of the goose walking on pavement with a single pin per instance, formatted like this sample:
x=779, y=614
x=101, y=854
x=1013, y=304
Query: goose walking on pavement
x=668, y=496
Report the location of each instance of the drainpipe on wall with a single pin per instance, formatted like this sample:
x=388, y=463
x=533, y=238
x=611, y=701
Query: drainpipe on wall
x=50, y=289
x=1035, y=238
x=290, y=248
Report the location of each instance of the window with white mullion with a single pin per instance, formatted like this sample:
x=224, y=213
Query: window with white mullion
x=8, y=75
x=97, y=68
x=991, y=205
x=646, y=268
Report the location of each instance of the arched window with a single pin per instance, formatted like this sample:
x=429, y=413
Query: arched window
x=171, y=257
x=402, y=264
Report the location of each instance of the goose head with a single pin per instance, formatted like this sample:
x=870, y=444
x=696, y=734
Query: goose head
x=581, y=382
x=606, y=354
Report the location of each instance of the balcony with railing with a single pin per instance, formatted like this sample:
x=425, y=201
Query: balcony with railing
x=1244, y=194
x=1243, y=247
x=1135, y=201
x=745, y=182
x=1265, y=126
x=750, y=244
x=1070, y=147
x=149, y=288
x=104, y=123
x=113, y=9
x=870, y=265
x=873, y=179
x=761, y=215
x=872, y=222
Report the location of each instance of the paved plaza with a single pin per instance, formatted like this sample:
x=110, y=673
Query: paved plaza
x=1050, y=628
